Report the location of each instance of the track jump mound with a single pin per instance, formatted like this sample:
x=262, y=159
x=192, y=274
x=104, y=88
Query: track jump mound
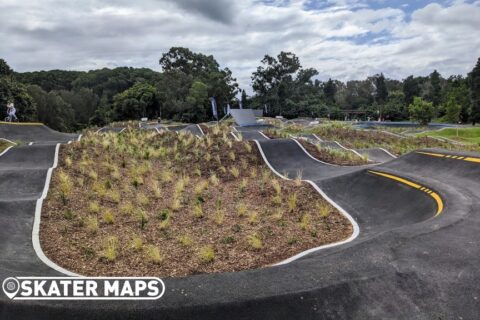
x=376, y=154
x=252, y=135
x=194, y=129
x=33, y=132
x=111, y=129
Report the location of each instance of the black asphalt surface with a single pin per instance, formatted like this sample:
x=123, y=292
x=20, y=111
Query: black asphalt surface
x=405, y=263
x=33, y=133
x=251, y=135
x=376, y=154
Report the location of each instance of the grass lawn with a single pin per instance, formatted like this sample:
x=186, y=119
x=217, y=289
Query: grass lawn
x=465, y=135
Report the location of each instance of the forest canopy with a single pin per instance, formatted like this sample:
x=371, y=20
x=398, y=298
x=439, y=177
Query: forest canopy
x=72, y=100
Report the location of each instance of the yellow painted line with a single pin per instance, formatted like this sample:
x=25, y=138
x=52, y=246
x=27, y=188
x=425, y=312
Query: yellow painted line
x=22, y=123
x=439, y=155
x=471, y=159
x=434, y=195
x=432, y=154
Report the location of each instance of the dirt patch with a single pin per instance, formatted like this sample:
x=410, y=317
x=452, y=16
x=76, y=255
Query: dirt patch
x=171, y=205
x=4, y=145
x=334, y=156
x=205, y=128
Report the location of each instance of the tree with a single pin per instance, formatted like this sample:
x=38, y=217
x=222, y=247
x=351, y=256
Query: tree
x=411, y=89
x=421, y=111
x=273, y=81
x=329, y=90
x=452, y=111
x=244, y=99
x=381, y=92
x=136, y=102
x=198, y=103
x=52, y=110
x=11, y=90
x=5, y=69
x=475, y=93
x=436, y=90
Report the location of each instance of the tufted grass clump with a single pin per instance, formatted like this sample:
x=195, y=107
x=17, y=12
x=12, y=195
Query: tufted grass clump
x=292, y=202
x=91, y=224
x=214, y=179
x=198, y=211
x=137, y=243
x=152, y=254
x=110, y=249
x=241, y=209
x=305, y=221
x=65, y=186
x=127, y=208
x=108, y=217
x=235, y=172
x=185, y=240
x=94, y=207
x=206, y=254
x=323, y=209
x=255, y=242
x=201, y=187
x=277, y=187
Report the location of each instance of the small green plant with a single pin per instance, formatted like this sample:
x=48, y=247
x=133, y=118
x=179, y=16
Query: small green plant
x=231, y=155
x=153, y=254
x=207, y=254
x=292, y=202
x=185, y=240
x=255, y=242
x=278, y=215
x=228, y=240
x=68, y=214
x=91, y=224
x=110, y=249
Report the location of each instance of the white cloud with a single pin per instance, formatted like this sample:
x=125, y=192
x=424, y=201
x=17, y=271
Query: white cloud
x=345, y=41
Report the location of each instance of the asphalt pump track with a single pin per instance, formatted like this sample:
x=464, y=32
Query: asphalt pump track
x=415, y=254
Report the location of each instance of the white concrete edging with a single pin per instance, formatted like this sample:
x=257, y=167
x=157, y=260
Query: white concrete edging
x=356, y=228
x=36, y=223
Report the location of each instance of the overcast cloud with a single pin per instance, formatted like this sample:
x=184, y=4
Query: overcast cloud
x=343, y=39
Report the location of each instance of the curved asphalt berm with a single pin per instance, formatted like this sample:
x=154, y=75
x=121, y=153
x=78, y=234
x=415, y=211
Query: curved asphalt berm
x=33, y=132
x=405, y=264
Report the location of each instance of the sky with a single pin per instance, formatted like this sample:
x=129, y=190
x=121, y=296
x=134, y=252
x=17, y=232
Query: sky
x=342, y=39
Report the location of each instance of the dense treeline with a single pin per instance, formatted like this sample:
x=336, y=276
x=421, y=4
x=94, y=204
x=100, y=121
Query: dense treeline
x=71, y=100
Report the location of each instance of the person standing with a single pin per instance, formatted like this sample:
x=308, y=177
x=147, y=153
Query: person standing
x=11, y=111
